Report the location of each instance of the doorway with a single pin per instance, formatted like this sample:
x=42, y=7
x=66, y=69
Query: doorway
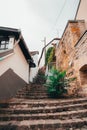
x=83, y=74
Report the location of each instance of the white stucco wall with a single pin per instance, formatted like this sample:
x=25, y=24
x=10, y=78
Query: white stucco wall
x=17, y=63
x=33, y=71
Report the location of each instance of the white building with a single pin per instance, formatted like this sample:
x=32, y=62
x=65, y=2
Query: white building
x=15, y=62
x=33, y=71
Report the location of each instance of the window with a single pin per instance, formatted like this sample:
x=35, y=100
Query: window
x=4, y=45
x=4, y=42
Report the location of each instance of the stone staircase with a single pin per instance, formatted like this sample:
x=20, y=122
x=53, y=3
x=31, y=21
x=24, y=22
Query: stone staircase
x=23, y=113
x=33, y=91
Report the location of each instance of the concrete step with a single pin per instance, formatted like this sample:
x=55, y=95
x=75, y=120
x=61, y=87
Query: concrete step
x=48, y=124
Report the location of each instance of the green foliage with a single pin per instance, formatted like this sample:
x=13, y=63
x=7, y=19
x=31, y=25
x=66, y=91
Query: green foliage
x=50, y=55
x=40, y=77
x=56, y=83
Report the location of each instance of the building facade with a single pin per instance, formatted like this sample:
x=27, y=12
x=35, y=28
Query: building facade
x=15, y=62
x=66, y=51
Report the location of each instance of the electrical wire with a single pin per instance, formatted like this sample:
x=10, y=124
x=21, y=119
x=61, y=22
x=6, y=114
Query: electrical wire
x=75, y=4
x=58, y=16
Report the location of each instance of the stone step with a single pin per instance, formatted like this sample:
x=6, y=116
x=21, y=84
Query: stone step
x=48, y=124
x=38, y=89
x=61, y=115
x=47, y=109
x=32, y=89
x=31, y=93
x=31, y=97
x=42, y=102
x=35, y=87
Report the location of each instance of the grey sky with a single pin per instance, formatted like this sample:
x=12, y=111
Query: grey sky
x=37, y=18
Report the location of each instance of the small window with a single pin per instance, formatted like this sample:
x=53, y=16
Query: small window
x=4, y=45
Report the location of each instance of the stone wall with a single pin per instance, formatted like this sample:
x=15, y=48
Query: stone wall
x=80, y=62
x=66, y=51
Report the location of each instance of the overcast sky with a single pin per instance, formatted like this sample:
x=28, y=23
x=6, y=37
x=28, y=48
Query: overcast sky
x=37, y=18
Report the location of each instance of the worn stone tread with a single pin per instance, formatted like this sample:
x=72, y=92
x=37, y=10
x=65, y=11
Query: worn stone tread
x=60, y=115
x=47, y=123
x=63, y=107
x=16, y=101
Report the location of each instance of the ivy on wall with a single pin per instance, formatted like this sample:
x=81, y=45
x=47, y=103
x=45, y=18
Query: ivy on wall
x=50, y=55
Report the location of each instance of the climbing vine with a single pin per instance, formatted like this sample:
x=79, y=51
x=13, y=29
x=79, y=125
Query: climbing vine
x=50, y=55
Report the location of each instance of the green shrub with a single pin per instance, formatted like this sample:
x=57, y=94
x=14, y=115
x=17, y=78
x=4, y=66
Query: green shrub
x=57, y=83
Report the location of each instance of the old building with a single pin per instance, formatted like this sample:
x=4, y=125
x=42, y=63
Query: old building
x=15, y=62
x=80, y=62
x=66, y=52
x=81, y=49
